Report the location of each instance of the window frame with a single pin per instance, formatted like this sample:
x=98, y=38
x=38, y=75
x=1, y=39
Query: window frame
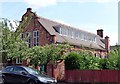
x=28, y=39
x=36, y=38
x=18, y=61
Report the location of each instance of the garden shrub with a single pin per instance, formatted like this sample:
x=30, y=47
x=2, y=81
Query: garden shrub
x=72, y=61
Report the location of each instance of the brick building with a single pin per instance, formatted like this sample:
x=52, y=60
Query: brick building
x=44, y=31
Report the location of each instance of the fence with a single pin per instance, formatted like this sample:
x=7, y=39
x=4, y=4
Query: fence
x=92, y=76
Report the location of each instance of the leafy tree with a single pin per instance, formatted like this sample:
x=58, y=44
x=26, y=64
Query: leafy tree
x=36, y=55
x=12, y=45
x=41, y=55
x=91, y=62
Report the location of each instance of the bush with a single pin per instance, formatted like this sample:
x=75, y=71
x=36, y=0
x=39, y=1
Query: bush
x=86, y=60
x=72, y=61
x=104, y=64
x=82, y=60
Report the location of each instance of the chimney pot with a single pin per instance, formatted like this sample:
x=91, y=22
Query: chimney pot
x=100, y=32
x=29, y=9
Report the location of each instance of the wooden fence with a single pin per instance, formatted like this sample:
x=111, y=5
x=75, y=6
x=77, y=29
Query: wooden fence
x=92, y=76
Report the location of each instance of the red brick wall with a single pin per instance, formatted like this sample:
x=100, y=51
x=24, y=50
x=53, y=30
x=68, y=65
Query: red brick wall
x=56, y=70
x=44, y=36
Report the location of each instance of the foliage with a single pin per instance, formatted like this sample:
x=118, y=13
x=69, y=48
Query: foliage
x=12, y=47
x=114, y=59
x=36, y=55
x=81, y=60
x=17, y=50
x=104, y=64
x=40, y=55
x=72, y=61
x=86, y=60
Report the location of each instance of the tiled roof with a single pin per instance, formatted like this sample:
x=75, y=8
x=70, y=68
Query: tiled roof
x=49, y=24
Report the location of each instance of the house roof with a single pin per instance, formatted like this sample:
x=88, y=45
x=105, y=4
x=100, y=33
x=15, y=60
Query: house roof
x=49, y=24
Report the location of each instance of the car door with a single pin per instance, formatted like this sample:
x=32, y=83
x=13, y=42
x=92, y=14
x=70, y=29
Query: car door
x=20, y=78
x=7, y=74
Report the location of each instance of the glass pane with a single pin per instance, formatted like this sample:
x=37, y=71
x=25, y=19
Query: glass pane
x=34, y=33
x=37, y=33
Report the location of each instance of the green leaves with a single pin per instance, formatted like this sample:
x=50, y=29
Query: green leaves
x=114, y=59
x=12, y=46
x=41, y=55
x=86, y=60
x=73, y=61
x=81, y=60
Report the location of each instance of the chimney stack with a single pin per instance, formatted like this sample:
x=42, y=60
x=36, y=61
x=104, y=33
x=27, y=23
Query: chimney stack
x=100, y=32
x=107, y=47
x=54, y=38
x=29, y=9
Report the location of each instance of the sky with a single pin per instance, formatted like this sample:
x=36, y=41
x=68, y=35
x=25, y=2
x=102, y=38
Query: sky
x=88, y=15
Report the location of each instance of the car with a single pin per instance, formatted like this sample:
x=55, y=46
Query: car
x=24, y=75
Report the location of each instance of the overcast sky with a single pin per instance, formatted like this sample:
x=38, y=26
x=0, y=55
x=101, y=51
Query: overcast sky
x=88, y=15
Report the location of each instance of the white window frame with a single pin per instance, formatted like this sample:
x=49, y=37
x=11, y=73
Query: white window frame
x=35, y=43
x=18, y=61
x=28, y=38
x=75, y=34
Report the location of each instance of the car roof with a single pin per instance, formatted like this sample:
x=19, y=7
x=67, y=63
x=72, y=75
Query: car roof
x=15, y=66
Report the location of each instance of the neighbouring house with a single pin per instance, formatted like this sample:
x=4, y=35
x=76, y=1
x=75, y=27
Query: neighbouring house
x=44, y=31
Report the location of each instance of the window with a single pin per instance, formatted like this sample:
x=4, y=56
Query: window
x=18, y=61
x=22, y=36
x=18, y=70
x=28, y=38
x=36, y=38
x=9, y=69
x=77, y=34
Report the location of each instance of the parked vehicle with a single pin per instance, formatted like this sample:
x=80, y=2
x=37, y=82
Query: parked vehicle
x=24, y=75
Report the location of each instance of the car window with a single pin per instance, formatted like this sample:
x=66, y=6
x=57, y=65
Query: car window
x=9, y=69
x=31, y=71
x=18, y=69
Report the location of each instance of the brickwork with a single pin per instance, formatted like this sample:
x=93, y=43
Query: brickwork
x=34, y=25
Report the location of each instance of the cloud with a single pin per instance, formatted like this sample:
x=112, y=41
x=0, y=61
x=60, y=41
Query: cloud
x=3, y=1
x=62, y=22
x=86, y=1
x=45, y=3
x=40, y=3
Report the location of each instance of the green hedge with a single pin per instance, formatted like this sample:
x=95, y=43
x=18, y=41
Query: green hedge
x=86, y=60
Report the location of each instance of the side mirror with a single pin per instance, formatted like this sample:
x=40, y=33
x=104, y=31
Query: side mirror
x=23, y=73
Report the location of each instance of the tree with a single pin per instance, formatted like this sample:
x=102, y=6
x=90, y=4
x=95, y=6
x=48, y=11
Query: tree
x=12, y=45
x=42, y=55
